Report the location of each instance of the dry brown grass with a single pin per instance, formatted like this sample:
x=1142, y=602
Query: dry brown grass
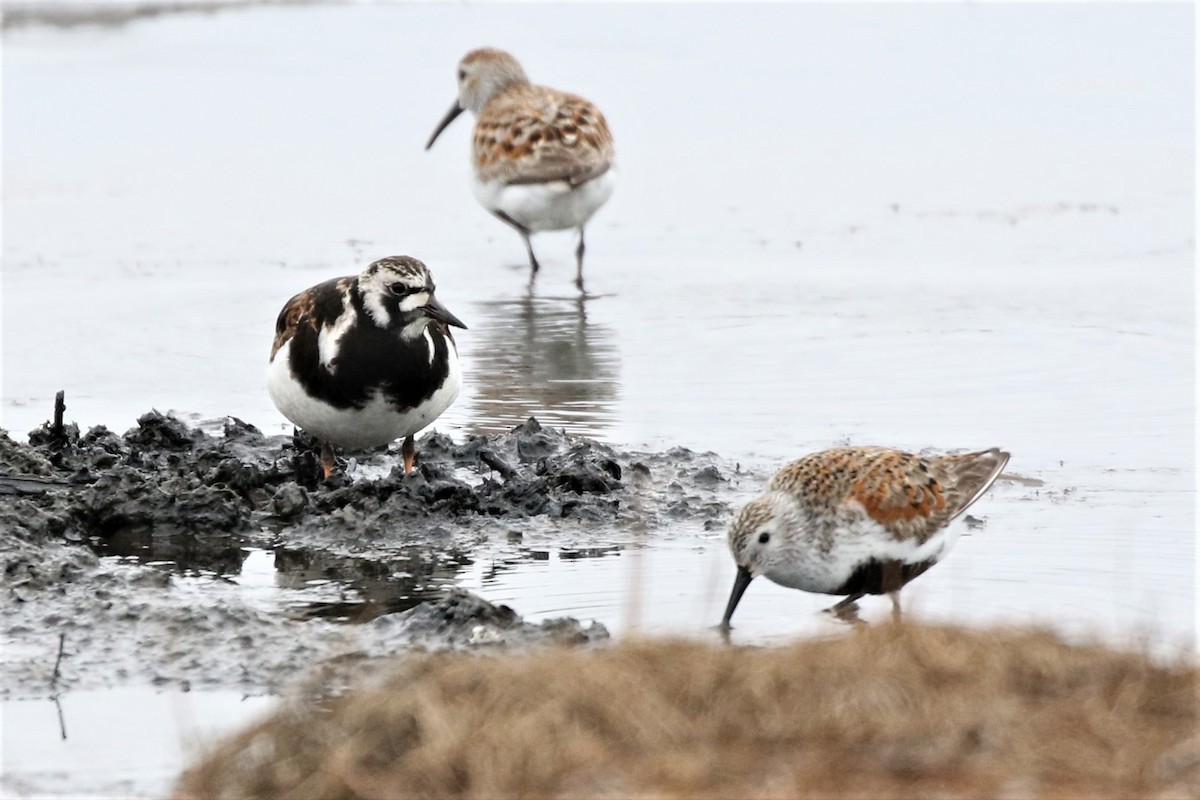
x=909, y=711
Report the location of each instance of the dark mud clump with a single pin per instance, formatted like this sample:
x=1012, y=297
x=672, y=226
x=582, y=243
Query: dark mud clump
x=178, y=503
x=459, y=618
x=165, y=480
x=529, y=472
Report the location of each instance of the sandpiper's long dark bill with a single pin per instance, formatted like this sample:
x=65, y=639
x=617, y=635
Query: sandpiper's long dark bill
x=543, y=159
x=740, y=582
x=362, y=360
x=856, y=520
x=451, y=115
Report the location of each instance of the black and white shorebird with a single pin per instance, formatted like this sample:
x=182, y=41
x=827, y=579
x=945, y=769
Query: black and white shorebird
x=856, y=520
x=364, y=360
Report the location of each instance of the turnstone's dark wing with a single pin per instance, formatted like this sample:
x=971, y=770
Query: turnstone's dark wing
x=312, y=308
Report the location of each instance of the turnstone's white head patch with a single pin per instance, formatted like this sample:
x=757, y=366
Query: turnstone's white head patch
x=398, y=292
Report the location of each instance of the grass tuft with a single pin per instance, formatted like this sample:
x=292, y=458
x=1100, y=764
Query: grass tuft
x=889, y=711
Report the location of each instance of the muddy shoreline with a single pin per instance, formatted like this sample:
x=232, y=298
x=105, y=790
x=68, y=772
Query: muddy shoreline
x=127, y=549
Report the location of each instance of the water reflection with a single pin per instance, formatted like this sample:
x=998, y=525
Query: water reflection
x=489, y=569
x=541, y=356
x=125, y=741
x=178, y=550
x=372, y=586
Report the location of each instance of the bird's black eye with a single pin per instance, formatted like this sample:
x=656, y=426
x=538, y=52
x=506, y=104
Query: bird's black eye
x=401, y=289
x=462, y=75
x=763, y=538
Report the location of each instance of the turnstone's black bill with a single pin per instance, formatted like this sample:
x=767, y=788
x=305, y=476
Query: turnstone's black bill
x=856, y=520
x=362, y=360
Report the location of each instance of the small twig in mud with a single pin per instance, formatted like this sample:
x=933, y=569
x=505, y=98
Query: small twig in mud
x=62, y=721
x=22, y=484
x=60, y=408
x=497, y=463
x=62, y=641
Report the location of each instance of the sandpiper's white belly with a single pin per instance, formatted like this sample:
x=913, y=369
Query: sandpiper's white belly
x=853, y=546
x=374, y=424
x=552, y=206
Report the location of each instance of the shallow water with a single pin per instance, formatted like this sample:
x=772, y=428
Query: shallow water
x=125, y=742
x=928, y=282
x=880, y=225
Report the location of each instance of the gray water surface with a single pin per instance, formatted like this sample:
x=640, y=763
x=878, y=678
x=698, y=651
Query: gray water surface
x=930, y=227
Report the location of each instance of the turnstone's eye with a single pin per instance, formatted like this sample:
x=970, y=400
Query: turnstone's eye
x=401, y=289
x=763, y=538
x=462, y=75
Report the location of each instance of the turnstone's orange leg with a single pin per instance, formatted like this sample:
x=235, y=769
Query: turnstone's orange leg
x=328, y=463
x=409, y=451
x=579, y=261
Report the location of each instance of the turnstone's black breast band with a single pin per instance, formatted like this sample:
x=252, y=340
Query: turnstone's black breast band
x=369, y=358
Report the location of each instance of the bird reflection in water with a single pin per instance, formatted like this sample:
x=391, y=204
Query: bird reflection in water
x=541, y=357
x=370, y=587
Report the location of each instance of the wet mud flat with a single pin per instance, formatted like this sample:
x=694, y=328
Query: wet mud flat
x=890, y=711
x=125, y=556
x=137, y=559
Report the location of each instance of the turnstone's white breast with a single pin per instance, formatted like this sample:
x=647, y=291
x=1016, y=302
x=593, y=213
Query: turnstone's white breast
x=543, y=158
x=366, y=359
x=856, y=520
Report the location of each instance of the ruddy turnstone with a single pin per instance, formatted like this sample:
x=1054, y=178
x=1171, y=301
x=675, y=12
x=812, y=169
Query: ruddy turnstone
x=856, y=520
x=362, y=360
x=543, y=158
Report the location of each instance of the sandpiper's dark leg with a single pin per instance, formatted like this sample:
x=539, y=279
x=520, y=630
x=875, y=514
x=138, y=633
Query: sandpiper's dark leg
x=847, y=607
x=409, y=451
x=846, y=602
x=533, y=262
x=579, y=261
x=891, y=581
x=328, y=463
x=521, y=229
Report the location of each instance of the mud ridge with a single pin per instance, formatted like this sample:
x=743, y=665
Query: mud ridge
x=133, y=545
